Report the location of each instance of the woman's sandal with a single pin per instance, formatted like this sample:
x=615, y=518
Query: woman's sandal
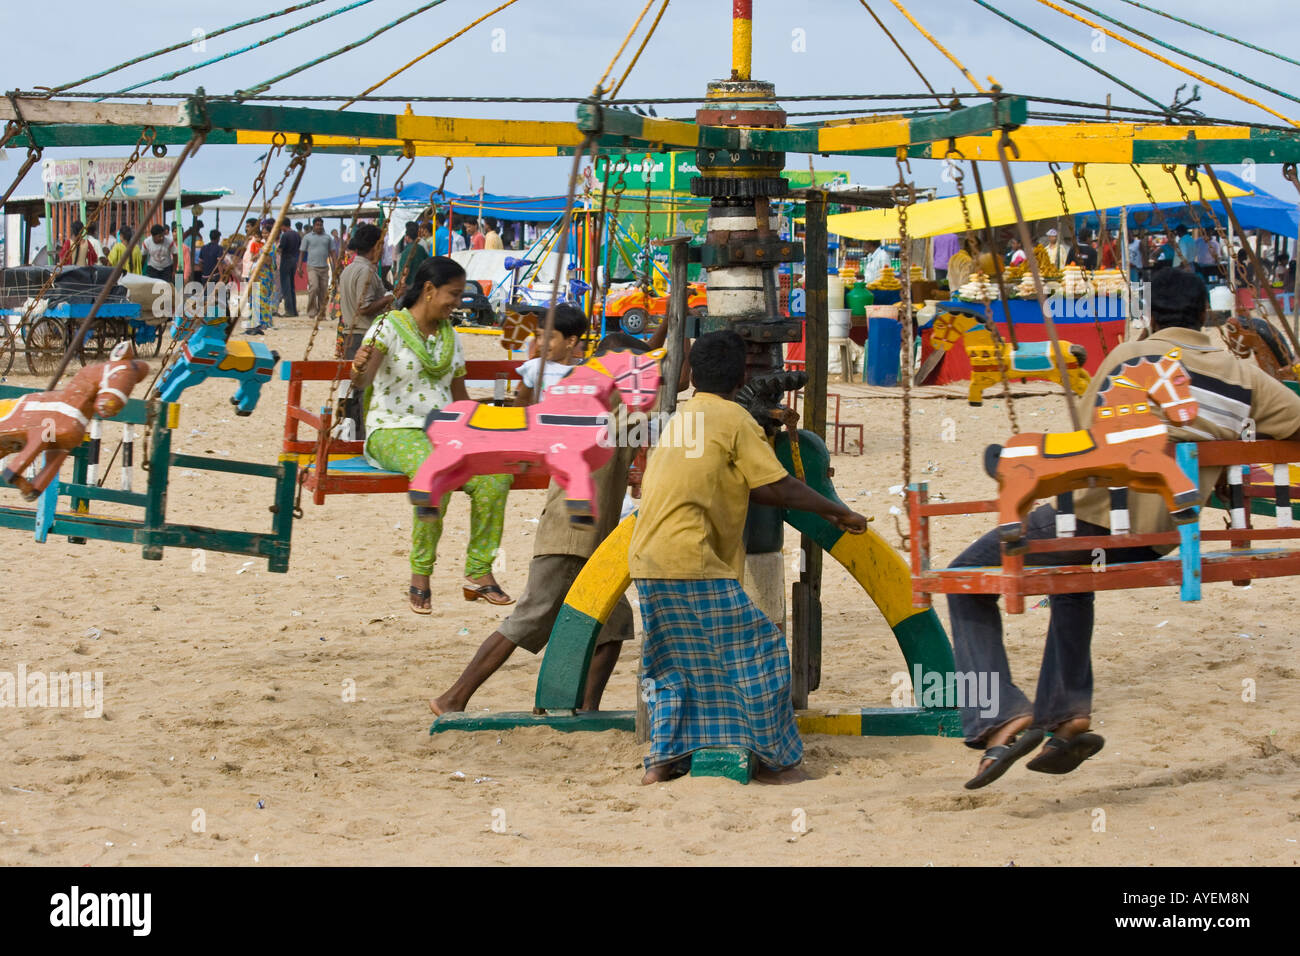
x=420, y=594
x=491, y=593
x=1004, y=755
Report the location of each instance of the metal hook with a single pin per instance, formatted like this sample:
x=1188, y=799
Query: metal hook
x=1007, y=143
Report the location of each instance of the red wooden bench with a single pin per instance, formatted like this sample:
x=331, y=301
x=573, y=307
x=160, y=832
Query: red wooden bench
x=328, y=466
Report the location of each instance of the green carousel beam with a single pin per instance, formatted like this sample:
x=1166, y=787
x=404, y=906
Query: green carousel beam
x=108, y=123
x=974, y=129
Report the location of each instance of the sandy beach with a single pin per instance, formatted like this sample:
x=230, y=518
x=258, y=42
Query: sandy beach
x=226, y=737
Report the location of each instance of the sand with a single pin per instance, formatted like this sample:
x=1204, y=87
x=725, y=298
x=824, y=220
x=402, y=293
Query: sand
x=226, y=737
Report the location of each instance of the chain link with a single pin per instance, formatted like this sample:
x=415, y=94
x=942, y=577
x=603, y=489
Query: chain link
x=1220, y=232
x=904, y=195
x=999, y=349
x=647, y=280
x=147, y=136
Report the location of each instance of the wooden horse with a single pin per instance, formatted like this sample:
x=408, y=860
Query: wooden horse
x=1028, y=360
x=566, y=433
x=1249, y=337
x=1126, y=444
x=516, y=329
x=207, y=352
x=56, y=422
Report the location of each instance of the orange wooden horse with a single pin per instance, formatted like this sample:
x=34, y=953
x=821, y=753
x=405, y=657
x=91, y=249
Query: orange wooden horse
x=55, y=422
x=1126, y=444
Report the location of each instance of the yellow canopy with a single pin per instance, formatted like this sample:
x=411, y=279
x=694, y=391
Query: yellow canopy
x=1112, y=185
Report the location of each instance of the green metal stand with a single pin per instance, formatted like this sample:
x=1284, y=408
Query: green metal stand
x=152, y=531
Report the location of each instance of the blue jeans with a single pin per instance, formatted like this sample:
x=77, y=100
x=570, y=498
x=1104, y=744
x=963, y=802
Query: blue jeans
x=1065, y=675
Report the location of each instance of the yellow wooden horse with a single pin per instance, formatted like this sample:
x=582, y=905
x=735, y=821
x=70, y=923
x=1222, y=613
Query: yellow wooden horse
x=1029, y=360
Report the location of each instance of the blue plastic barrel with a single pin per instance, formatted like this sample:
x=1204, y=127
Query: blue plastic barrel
x=884, y=342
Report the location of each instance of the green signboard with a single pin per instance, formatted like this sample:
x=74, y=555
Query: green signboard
x=673, y=172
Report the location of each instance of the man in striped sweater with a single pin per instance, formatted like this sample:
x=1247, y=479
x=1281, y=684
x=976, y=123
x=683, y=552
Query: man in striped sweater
x=1234, y=396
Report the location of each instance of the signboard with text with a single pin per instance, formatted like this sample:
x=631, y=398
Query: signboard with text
x=74, y=180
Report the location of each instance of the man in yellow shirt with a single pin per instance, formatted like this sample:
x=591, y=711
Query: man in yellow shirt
x=119, y=249
x=716, y=670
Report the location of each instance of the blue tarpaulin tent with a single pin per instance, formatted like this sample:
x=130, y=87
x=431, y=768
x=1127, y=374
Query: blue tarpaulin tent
x=513, y=208
x=1262, y=210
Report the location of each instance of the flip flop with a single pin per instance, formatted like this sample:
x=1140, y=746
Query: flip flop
x=1061, y=755
x=1004, y=755
x=420, y=594
x=488, y=592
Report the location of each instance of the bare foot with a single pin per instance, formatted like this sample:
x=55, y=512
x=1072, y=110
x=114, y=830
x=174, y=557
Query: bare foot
x=795, y=774
x=1004, y=734
x=443, y=705
x=660, y=774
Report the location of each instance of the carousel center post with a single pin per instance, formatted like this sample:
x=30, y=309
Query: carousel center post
x=741, y=253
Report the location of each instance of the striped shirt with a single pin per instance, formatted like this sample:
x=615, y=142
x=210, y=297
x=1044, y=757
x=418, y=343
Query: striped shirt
x=1230, y=393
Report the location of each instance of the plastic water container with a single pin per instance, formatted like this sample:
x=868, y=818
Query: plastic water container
x=834, y=290
x=838, y=323
x=1221, y=299
x=884, y=345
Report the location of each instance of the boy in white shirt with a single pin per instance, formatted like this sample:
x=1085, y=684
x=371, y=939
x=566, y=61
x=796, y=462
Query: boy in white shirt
x=570, y=326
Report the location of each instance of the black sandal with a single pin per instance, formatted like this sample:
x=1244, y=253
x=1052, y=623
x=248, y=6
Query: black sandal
x=1004, y=755
x=1061, y=755
x=420, y=594
x=473, y=592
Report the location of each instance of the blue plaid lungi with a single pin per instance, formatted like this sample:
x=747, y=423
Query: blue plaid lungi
x=716, y=673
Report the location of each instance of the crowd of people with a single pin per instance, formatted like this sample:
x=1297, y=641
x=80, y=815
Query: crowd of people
x=956, y=257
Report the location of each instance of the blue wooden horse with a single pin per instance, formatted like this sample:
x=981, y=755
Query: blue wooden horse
x=207, y=352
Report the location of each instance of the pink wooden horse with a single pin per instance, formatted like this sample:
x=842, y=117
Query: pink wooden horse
x=55, y=422
x=563, y=433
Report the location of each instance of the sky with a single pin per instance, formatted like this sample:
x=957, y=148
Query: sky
x=561, y=47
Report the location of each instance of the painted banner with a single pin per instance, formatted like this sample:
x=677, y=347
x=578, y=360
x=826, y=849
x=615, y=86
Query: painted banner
x=144, y=180
x=72, y=180
x=62, y=179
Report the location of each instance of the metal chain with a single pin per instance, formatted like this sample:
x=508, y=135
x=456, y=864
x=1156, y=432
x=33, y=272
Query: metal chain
x=34, y=154
x=620, y=186
x=299, y=160
x=1081, y=176
x=439, y=193
x=1060, y=187
x=1220, y=232
x=959, y=178
x=648, y=278
x=331, y=297
x=1157, y=212
x=904, y=195
x=147, y=136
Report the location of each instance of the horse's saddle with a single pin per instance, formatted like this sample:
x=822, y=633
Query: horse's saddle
x=1065, y=444
x=1034, y=356
x=499, y=418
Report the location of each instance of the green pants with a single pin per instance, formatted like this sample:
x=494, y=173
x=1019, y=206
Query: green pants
x=404, y=450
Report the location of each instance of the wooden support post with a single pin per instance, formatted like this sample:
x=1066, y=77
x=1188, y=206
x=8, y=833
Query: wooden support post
x=918, y=494
x=160, y=460
x=806, y=601
x=675, y=343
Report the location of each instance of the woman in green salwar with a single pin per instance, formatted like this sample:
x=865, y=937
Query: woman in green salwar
x=411, y=363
